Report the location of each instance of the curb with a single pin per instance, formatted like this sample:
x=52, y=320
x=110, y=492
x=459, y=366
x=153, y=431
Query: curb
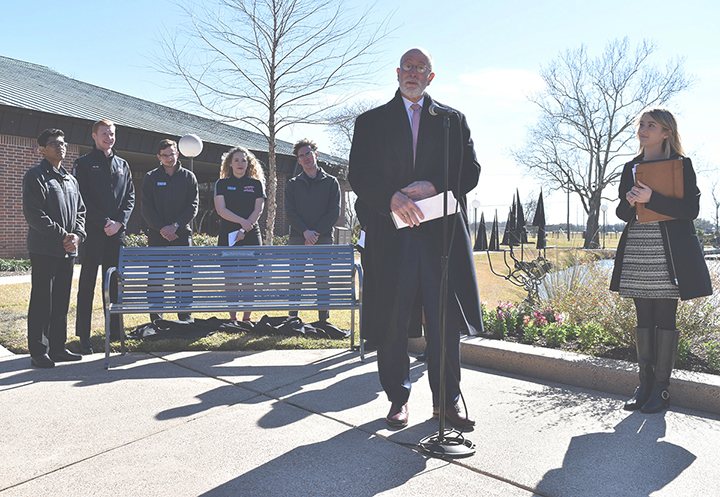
x=689, y=389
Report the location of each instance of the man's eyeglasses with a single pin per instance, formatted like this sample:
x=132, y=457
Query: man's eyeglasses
x=420, y=68
x=167, y=156
x=57, y=144
x=307, y=155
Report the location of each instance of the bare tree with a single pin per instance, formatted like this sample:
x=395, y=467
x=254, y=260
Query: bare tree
x=587, y=112
x=341, y=121
x=715, y=194
x=269, y=64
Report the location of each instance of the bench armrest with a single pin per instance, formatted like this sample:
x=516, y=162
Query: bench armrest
x=108, y=281
x=357, y=270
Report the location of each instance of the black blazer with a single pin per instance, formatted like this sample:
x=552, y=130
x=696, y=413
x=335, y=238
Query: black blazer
x=381, y=163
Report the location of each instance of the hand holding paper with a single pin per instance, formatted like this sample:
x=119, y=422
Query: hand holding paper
x=432, y=208
x=234, y=237
x=405, y=209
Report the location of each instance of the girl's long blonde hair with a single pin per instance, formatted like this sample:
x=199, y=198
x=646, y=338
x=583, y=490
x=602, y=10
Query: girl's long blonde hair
x=254, y=168
x=671, y=145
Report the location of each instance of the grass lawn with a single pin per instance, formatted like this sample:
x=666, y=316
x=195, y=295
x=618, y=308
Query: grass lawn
x=576, y=240
x=14, y=300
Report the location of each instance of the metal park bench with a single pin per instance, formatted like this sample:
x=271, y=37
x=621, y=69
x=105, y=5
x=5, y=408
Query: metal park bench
x=218, y=279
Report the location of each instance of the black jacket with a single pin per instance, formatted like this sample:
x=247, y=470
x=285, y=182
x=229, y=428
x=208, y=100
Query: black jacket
x=107, y=190
x=169, y=199
x=683, y=252
x=381, y=163
x=53, y=208
x=312, y=204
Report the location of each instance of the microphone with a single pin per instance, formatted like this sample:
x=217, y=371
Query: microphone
x=436, y=110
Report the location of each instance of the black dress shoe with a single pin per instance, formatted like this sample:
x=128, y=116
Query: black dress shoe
x=42, y=361
x=422, y=357
x=85, y=346
x=455, y=418
x=64, y=355
x=398, y=415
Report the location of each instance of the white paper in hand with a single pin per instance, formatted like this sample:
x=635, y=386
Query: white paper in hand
x=431, y=207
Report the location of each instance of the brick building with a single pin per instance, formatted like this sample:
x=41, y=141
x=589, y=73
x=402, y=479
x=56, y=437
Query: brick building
x=34, y=97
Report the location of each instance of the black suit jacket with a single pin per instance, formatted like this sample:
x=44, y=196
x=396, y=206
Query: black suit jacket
x=381, y=163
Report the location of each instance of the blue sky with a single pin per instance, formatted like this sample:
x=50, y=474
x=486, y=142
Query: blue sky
x=487, y=58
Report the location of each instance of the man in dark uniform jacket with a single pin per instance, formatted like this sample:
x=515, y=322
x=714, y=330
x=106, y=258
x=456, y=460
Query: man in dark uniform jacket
x=392, y=167
x=55, y=214
x=169, y=203
x=107, y=189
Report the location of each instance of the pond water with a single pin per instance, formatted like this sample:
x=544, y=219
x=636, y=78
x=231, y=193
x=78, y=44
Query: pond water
x=606, y=264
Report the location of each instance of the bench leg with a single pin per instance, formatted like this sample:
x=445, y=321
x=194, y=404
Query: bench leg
x=122, y=334
x=352, y=329
x=360, y=338
x=107, y=339
x=352, y=334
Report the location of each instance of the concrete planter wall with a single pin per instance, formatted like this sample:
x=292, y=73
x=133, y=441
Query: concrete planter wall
x=687, y=389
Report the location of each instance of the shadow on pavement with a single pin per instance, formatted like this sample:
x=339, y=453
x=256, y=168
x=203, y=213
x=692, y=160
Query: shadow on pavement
x=641, y=464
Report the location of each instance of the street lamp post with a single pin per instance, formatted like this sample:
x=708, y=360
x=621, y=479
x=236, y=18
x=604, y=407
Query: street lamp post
x=190, y=146
x=604, y=208
x=475, y=204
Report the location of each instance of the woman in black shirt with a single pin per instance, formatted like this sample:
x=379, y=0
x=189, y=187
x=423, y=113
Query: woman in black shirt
x=239, y=201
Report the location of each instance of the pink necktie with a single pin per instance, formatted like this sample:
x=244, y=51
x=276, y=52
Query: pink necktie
x=415, y=126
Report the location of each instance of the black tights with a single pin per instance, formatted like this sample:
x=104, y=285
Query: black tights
x=653, y=313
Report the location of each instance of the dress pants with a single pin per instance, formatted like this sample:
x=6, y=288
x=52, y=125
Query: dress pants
x=420, y=271
x=49, y=301
x=155, y=239
x=97, y=249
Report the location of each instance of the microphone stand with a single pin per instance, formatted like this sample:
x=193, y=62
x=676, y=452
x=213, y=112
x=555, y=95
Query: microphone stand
x=439, y=445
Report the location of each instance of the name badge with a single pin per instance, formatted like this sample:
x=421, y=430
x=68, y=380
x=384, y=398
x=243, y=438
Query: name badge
x=231, y=188
x=161, y=183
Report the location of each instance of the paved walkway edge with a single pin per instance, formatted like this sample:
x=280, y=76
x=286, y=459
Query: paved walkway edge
x=687, y=389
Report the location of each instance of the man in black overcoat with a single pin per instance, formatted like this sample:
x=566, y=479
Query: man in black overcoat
x=390, y=169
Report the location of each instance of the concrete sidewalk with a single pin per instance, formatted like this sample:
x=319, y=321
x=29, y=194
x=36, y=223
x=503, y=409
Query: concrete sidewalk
x=296, y=423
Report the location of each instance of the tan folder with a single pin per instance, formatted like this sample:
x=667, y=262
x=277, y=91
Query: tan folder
x=664, y=177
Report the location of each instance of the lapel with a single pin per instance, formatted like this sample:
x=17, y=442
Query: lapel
x=399, y=132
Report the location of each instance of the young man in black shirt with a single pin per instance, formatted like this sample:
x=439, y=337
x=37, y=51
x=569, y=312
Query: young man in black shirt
x=55, y=214
x=107, y=189
x=169, y=203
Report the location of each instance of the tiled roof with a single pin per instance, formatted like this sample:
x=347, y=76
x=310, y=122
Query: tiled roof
x=39, y=88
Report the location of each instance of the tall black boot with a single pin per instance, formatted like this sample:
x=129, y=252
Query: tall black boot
x=666, y=344
x=645, y=344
